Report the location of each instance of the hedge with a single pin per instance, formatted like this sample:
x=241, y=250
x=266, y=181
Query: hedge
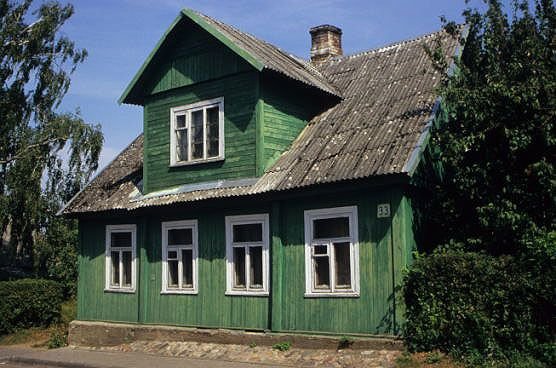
x=478, y=306
x=29, y=302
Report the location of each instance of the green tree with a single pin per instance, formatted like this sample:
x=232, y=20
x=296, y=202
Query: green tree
x=497, y=148
x=45, y=156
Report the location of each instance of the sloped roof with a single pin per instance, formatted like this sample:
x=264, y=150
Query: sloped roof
x=260, y=54
x=377, y=129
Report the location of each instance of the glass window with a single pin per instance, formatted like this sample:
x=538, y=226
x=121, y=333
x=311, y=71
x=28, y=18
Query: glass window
x=247, y=254
x=179, y=250
x=120, y=257
x=331, y=252
x=197, y=132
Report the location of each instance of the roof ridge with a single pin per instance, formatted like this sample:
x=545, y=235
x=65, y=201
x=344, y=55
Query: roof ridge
x=387, y=47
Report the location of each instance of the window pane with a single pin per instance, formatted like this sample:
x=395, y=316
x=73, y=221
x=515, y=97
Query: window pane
x=239, y=267
x=343, y=271
x=172, y=254
x=181, y=145
x=212, y=131
x=248, y=233
x=180, y=236
x=126, y=264
x=180, y=121
x=322, y=273
x=320, y=249
x=187, y=260
x=336, y=227
x=197, y=134
x=115, y=272
x=173, y=274
x=122, y=239
x=256, y=265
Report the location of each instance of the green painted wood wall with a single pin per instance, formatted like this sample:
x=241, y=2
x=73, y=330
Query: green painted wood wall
x=385, y=249
x=240, y=92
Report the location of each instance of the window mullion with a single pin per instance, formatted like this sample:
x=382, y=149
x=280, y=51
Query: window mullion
x=188, y=125
x=205, y=133
x=121, y=270
x=247, y=267
x=332, y=266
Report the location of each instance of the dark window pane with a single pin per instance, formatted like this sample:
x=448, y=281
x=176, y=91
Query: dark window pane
x=213, y=131
x=115, y=272
x=180, y=121
x=173, y=274
x=336, y=227
x=187, y=262
x=172, y=254
x=197, y=134
x=239, y=267
x=180, y=236
x=126, y=268
x=122, y=239
x=322, y=272
x=343, y=270
x=320, y=249
x=248, y=233
x=181, y=145
x=256, y=272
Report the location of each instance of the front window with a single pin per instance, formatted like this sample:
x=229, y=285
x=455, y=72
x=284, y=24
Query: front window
x=247, y=254
x=197, y=132
x=120, y=258
x=331, y=252
x=179, y=257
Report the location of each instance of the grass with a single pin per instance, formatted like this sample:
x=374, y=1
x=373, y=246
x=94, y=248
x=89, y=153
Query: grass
x=432, y=359
x=53, y=336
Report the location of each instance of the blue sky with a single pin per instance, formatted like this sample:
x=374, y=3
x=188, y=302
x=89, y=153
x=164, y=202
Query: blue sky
x=119, y=34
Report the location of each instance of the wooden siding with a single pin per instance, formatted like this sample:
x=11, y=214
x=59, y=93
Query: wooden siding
x=384, y=245
x=240, y=92
x=286, y=108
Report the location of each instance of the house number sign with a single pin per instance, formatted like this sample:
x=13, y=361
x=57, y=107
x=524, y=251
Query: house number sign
x=383, y=210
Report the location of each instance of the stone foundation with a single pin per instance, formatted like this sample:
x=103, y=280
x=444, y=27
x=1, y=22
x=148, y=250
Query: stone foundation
x=98, y=334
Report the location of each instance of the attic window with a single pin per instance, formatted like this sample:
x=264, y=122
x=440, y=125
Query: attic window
x=197, y=132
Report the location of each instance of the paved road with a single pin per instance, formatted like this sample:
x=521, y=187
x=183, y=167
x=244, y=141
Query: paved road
x=18, y=357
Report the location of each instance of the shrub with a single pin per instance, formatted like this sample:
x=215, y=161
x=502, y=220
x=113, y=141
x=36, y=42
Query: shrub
x=29, y=302
x=478, y=306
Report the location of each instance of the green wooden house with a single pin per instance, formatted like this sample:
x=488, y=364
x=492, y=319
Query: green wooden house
x=266, y=192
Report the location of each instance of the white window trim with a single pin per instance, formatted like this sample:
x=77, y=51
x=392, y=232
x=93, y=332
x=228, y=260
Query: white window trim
x=108, y=255
x=191, y=224
x=241, y=220
x=310, y=215
x=187, y=109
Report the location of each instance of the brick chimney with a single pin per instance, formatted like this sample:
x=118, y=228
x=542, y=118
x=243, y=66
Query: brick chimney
x=326, y=42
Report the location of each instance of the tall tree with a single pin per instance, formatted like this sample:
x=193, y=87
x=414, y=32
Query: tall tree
x=45, y=156
x=497, y=147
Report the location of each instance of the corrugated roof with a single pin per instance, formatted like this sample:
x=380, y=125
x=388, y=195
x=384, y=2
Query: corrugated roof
x=260, y=54
x=389, y=95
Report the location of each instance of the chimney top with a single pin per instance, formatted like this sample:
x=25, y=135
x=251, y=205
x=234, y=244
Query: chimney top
x=326, y=42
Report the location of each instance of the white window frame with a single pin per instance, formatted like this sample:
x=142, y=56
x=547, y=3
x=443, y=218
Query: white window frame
x=310, y=216
x=108, y=255
x=243, y=220
x=187, y=110
x=186, y=224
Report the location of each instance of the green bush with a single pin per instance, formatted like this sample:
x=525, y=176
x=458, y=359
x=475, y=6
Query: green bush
x=480, y=308
x=29, y=302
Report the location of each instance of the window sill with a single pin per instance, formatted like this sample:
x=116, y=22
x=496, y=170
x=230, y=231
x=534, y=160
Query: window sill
x=123, y=291
x=352, y=294
x=246, y=293
x=196, y=162
x=179, y=292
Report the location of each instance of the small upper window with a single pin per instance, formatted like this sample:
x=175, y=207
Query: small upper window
x=331, y=252
x=197, y=132
x=247, y=254
x=120, y=258
x=179, y=257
